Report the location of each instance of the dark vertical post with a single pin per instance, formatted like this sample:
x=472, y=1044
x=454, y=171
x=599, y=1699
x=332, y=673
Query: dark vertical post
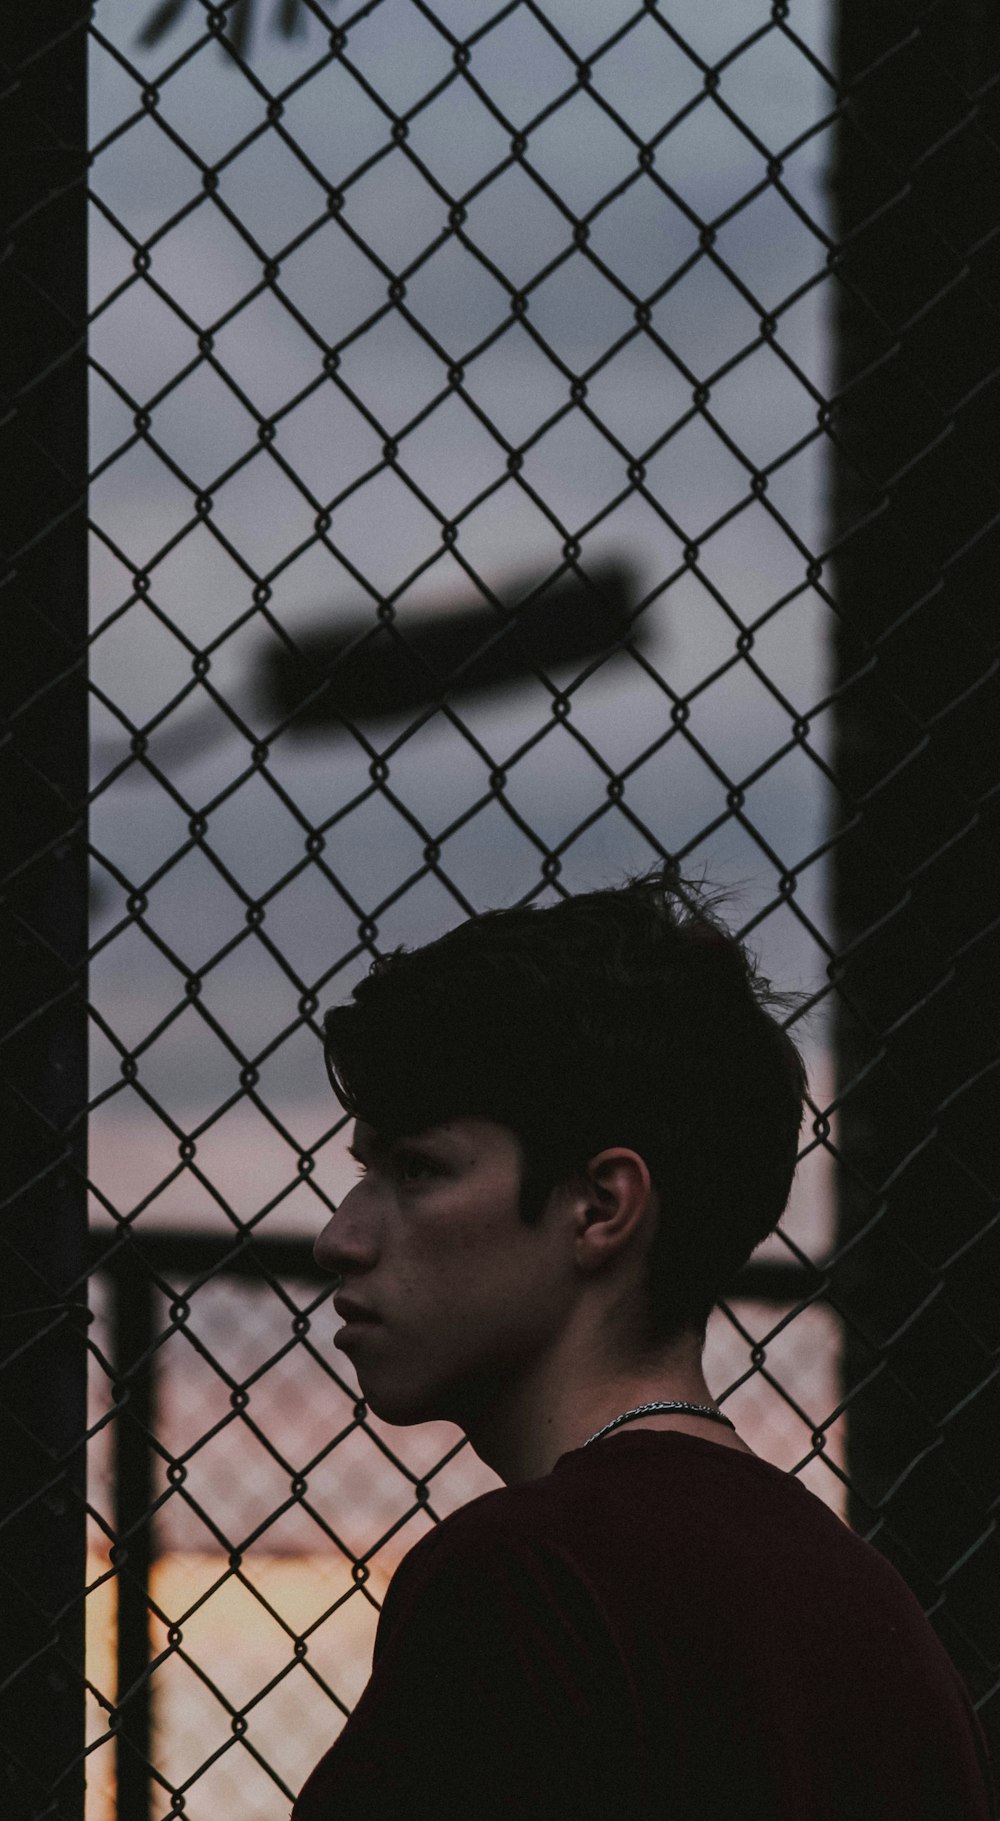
x=916, y=425
x=43, y=907
x=134, y=1391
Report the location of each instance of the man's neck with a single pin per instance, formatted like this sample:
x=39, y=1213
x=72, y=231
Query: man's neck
x=521, y=1434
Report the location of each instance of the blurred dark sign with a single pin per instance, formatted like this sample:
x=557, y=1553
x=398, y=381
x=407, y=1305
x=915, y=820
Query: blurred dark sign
x=368, y=667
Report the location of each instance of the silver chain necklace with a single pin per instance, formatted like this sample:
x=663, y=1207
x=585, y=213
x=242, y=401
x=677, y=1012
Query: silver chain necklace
x=629, y=1416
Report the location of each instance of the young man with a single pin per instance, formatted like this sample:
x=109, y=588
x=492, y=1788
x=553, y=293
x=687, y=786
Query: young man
x=574, y=1124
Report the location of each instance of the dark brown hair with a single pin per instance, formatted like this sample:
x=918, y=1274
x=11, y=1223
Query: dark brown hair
x=628, y=1016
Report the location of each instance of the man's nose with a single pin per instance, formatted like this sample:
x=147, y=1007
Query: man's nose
x=347, y=1242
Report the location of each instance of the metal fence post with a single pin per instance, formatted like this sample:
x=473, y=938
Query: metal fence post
x=43, y=785
x=918, y=540
x=135, y=1425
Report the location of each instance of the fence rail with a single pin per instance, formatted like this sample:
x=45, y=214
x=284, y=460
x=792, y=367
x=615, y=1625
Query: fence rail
x=176, y=1263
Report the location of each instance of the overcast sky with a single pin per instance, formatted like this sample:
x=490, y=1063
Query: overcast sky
x=143, y=500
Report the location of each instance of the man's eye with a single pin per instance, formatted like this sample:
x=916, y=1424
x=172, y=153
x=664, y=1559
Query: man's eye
x=412, y=1168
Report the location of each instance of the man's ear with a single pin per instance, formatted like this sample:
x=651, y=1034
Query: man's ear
x=614, y=1205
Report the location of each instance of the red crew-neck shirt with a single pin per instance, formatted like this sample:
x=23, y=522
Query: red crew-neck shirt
x=660, y=1627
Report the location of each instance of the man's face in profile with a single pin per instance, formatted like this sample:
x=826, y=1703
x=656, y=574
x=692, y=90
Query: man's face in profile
x=446, y=1293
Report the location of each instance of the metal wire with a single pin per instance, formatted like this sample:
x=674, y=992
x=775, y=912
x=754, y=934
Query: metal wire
x=415, y=582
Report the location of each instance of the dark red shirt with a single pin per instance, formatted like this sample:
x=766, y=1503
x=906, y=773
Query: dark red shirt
x=659, y=1627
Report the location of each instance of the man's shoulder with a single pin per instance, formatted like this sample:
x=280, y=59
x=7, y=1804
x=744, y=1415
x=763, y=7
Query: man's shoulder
x=577, y=1508
x=494, y=1572
x=493, y=1526
x=690, y=1513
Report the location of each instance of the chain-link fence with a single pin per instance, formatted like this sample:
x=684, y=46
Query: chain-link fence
x=524, y=441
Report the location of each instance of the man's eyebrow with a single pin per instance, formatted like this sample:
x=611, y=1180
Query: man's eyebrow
x=375, y=1146
x=361, y=1152
x=380, y=1146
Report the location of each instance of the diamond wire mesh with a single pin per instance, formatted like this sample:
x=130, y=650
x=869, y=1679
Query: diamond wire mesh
x=426, y=312
x=470, y=387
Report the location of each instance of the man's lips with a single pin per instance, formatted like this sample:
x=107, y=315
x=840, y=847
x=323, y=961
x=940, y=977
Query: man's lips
x=349, y=1310
x=354, y=1316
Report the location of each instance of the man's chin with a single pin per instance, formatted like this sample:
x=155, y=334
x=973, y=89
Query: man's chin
x=401, y=1408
